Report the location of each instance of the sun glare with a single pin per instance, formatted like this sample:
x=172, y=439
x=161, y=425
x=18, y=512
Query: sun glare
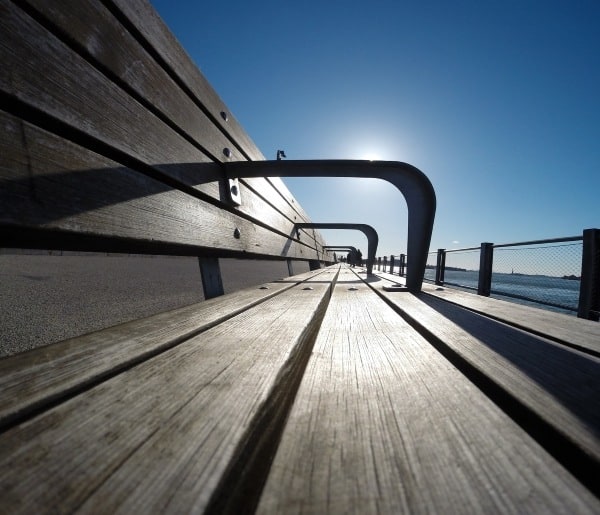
x=371, y=156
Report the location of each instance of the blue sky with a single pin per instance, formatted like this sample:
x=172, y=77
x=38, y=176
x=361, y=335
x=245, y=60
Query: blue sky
x=497, y=102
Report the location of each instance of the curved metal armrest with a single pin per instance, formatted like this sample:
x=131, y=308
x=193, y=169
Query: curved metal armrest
x=414, y=185
x=369, y=232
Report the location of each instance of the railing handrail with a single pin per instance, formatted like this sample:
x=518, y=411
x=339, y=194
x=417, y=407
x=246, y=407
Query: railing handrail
x=461, y=250
x=536, y=242
x=518, y=244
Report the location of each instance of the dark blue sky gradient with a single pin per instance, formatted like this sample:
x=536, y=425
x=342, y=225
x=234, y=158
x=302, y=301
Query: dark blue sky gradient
x=497, y=102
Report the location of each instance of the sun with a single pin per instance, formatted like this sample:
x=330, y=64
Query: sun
x=371, y=156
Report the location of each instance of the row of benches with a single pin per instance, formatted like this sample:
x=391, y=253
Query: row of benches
x=329, y=391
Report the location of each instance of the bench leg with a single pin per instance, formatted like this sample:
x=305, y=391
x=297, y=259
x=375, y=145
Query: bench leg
x=211, y=277
x=313, y=264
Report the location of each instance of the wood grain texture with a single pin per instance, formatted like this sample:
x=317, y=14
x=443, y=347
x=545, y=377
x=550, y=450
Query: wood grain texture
x=162, y=436
x=278, y=184
x=150, y=26
x=273, y=192
x=559, y=385
x=93, y=31
x=160, y=138
x=382, y=423
x=32, y=380
x=577, y=332
x=51, y=183
x=47, y=75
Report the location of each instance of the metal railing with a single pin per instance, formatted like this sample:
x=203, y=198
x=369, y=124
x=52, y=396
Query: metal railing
x=394, y=262
x=559, y=273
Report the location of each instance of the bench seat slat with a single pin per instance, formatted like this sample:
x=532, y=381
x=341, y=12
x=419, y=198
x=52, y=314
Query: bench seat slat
x=554, y=382
x=165, y=434
x=32, y=380
x=383, y=423
x=576, y=332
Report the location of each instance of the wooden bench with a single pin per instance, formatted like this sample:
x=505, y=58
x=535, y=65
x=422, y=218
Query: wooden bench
x=329, y=391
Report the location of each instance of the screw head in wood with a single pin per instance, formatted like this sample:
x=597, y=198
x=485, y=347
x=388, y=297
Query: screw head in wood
x=227, y=152
x=237, y=234
x=224, y=115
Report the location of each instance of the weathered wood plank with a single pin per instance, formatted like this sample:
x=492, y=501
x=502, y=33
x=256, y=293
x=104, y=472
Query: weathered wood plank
x=271, y=192
x=560, y=386
x=53, y=184
x=31, y=381
x=576, y=332
x=166, y=435
x=117, y=119
x=94, y=33
x=47, y=75
x=151, y=27
x=383, y=423
x=285, y=193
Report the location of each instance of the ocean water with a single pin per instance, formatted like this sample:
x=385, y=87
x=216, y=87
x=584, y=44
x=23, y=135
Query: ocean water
x=553, y=293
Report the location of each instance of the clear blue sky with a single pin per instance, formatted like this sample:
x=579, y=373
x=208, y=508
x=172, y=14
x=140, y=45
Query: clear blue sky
x=497, y=102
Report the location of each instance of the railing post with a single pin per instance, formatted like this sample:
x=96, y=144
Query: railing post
x=385, y=263
x=402, y=266
x=379, y=264
x=290, y=266
x=486, y=260
x=589, y=289
x=440, y=266
x=392, y=264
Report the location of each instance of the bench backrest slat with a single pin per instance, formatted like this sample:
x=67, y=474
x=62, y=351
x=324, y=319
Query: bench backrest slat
x=113, y=141
x=157, y=35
